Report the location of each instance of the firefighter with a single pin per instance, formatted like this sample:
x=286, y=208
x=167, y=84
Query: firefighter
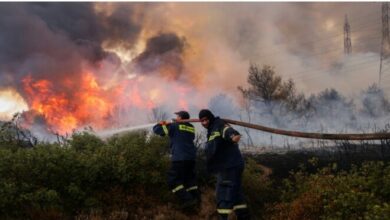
x=181, y=175
x=224, y=159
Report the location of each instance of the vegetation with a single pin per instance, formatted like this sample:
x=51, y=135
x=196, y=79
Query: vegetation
x=266, y=86
x=124, y=177
x=83, y=175
x=360, y=193
x=268, y=93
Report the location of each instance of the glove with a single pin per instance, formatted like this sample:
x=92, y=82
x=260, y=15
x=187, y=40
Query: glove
x=235, y=138
x=163, y=123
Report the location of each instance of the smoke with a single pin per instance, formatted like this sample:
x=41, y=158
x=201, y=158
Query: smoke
x=327, y=112
x=180, y=55
x=225, y=37
x=162, y=53
x=56, y=40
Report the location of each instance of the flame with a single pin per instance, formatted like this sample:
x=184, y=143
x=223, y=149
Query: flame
x=65, y=111
x=183, y=94
x=69, y=104
x=10, y=103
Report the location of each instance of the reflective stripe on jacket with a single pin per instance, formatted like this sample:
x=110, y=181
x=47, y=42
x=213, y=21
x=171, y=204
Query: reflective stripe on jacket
x=221, y=151
x=181, y=136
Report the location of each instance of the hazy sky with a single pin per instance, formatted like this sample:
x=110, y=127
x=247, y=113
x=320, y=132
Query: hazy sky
x=302, y=40
x=204, y=47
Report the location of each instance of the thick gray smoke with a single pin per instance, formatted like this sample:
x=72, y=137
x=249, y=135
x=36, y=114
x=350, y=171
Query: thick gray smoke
x=210, y=45
x=55, y=40
x=164, y=51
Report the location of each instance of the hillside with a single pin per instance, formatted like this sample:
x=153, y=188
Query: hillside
x=125, y=178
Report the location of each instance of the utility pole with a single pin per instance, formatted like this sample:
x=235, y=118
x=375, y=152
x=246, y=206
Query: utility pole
x=347, y=37
x=385, y=37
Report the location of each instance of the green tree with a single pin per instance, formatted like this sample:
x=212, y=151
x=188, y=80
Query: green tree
x=266, y=86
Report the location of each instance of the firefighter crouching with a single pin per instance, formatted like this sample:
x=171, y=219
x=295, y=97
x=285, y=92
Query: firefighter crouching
x=225, y=160
x=181, y=175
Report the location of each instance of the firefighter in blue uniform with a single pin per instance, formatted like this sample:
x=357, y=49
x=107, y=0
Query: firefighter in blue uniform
x=181, y=175
x=225, y=160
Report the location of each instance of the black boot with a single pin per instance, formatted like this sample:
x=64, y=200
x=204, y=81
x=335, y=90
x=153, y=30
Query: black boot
x=187, y=202
x=242, y=214
x=223, y=216
x=195, y=193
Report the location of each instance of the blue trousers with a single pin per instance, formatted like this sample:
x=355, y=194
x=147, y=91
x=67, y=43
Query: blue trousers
x=229, y=193
x=182, y=180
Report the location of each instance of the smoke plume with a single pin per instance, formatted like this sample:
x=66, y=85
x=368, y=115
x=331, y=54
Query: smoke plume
x=109, y=64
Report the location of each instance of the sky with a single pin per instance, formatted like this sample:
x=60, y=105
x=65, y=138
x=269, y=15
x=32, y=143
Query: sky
x=74, y=59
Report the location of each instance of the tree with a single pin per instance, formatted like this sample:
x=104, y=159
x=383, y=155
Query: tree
x=266, y=86
x=331, y=103
x=374, y=102
x=12, y=134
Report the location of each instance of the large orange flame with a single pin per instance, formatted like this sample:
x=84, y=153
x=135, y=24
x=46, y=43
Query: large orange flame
x=71, y=104
x=65, y=111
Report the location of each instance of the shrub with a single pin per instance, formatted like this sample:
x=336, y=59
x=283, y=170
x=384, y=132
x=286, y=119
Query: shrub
x=336, y=195
x=85, y=174
x=257, y=186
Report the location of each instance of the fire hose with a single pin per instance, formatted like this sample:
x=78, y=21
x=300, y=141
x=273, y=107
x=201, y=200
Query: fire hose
x=326, y=136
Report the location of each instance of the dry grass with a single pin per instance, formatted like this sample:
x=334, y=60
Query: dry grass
x=161, y=212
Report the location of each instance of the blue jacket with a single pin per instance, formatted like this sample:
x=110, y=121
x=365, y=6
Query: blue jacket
x=221, y=151
x=181, y=136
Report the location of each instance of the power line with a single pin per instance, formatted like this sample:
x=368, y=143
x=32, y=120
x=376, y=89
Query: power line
x=350, y=64
x=279, y=50
x=330, y=50
x=385, y=37
x=358, y=15
x=355, y=27
x=368, y=24
x=346, y=73
x=371, y=57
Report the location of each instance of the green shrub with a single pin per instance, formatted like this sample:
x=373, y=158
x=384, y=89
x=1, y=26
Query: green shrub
x=85, y=174
x=128, y=173
x=257, y=186
x=85, y=141
x=360, y=192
